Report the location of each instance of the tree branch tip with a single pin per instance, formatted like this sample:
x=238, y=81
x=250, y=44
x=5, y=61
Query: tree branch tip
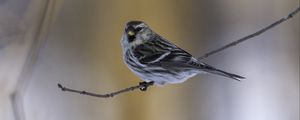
x=61, y=87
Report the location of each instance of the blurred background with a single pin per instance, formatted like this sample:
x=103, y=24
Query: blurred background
x=77, y=43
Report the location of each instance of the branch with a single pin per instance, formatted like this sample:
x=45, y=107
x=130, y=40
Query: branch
x=251, y=35
x=142, y=86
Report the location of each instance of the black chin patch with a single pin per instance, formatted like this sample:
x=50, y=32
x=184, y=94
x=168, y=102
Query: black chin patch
x=131, y=38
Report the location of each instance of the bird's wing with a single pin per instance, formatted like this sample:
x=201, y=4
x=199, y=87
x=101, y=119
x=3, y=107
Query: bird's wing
x=147, y=54
x=160, y=51
x=163, y=56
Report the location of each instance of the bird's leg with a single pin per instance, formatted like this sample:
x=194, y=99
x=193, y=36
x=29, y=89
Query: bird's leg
x=145, y=85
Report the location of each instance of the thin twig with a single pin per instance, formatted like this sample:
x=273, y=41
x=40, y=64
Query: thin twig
x=142, y=86
x=251, y=35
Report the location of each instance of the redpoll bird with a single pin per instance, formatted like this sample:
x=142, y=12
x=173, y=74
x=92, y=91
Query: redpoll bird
x=155, y=59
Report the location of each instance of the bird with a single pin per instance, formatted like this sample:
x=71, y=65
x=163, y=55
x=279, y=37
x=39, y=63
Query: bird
x=155, y=59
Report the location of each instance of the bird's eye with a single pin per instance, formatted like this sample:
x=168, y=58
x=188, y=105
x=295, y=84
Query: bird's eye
x=138, y=28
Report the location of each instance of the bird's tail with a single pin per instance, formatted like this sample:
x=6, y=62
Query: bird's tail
x=223, y=73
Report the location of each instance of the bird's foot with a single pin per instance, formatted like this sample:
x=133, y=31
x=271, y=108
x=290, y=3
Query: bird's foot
x=145, y=85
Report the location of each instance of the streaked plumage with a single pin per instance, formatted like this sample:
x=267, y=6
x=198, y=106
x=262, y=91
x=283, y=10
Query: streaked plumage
x=153, y=58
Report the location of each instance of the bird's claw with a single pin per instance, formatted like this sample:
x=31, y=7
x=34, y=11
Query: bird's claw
x=145, y=85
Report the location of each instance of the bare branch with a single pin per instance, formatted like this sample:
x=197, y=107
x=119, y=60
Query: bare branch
x=251, y=35
x=142, y=86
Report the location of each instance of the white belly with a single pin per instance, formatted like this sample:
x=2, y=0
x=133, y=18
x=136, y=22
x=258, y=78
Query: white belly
x=163, y=78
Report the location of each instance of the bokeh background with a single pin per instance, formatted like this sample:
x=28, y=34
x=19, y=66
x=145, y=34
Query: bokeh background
x=77, y=43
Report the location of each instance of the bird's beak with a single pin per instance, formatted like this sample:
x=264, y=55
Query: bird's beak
x=130, y=33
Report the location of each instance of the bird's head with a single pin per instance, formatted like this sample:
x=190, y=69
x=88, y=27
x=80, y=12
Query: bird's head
x=136, y=32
